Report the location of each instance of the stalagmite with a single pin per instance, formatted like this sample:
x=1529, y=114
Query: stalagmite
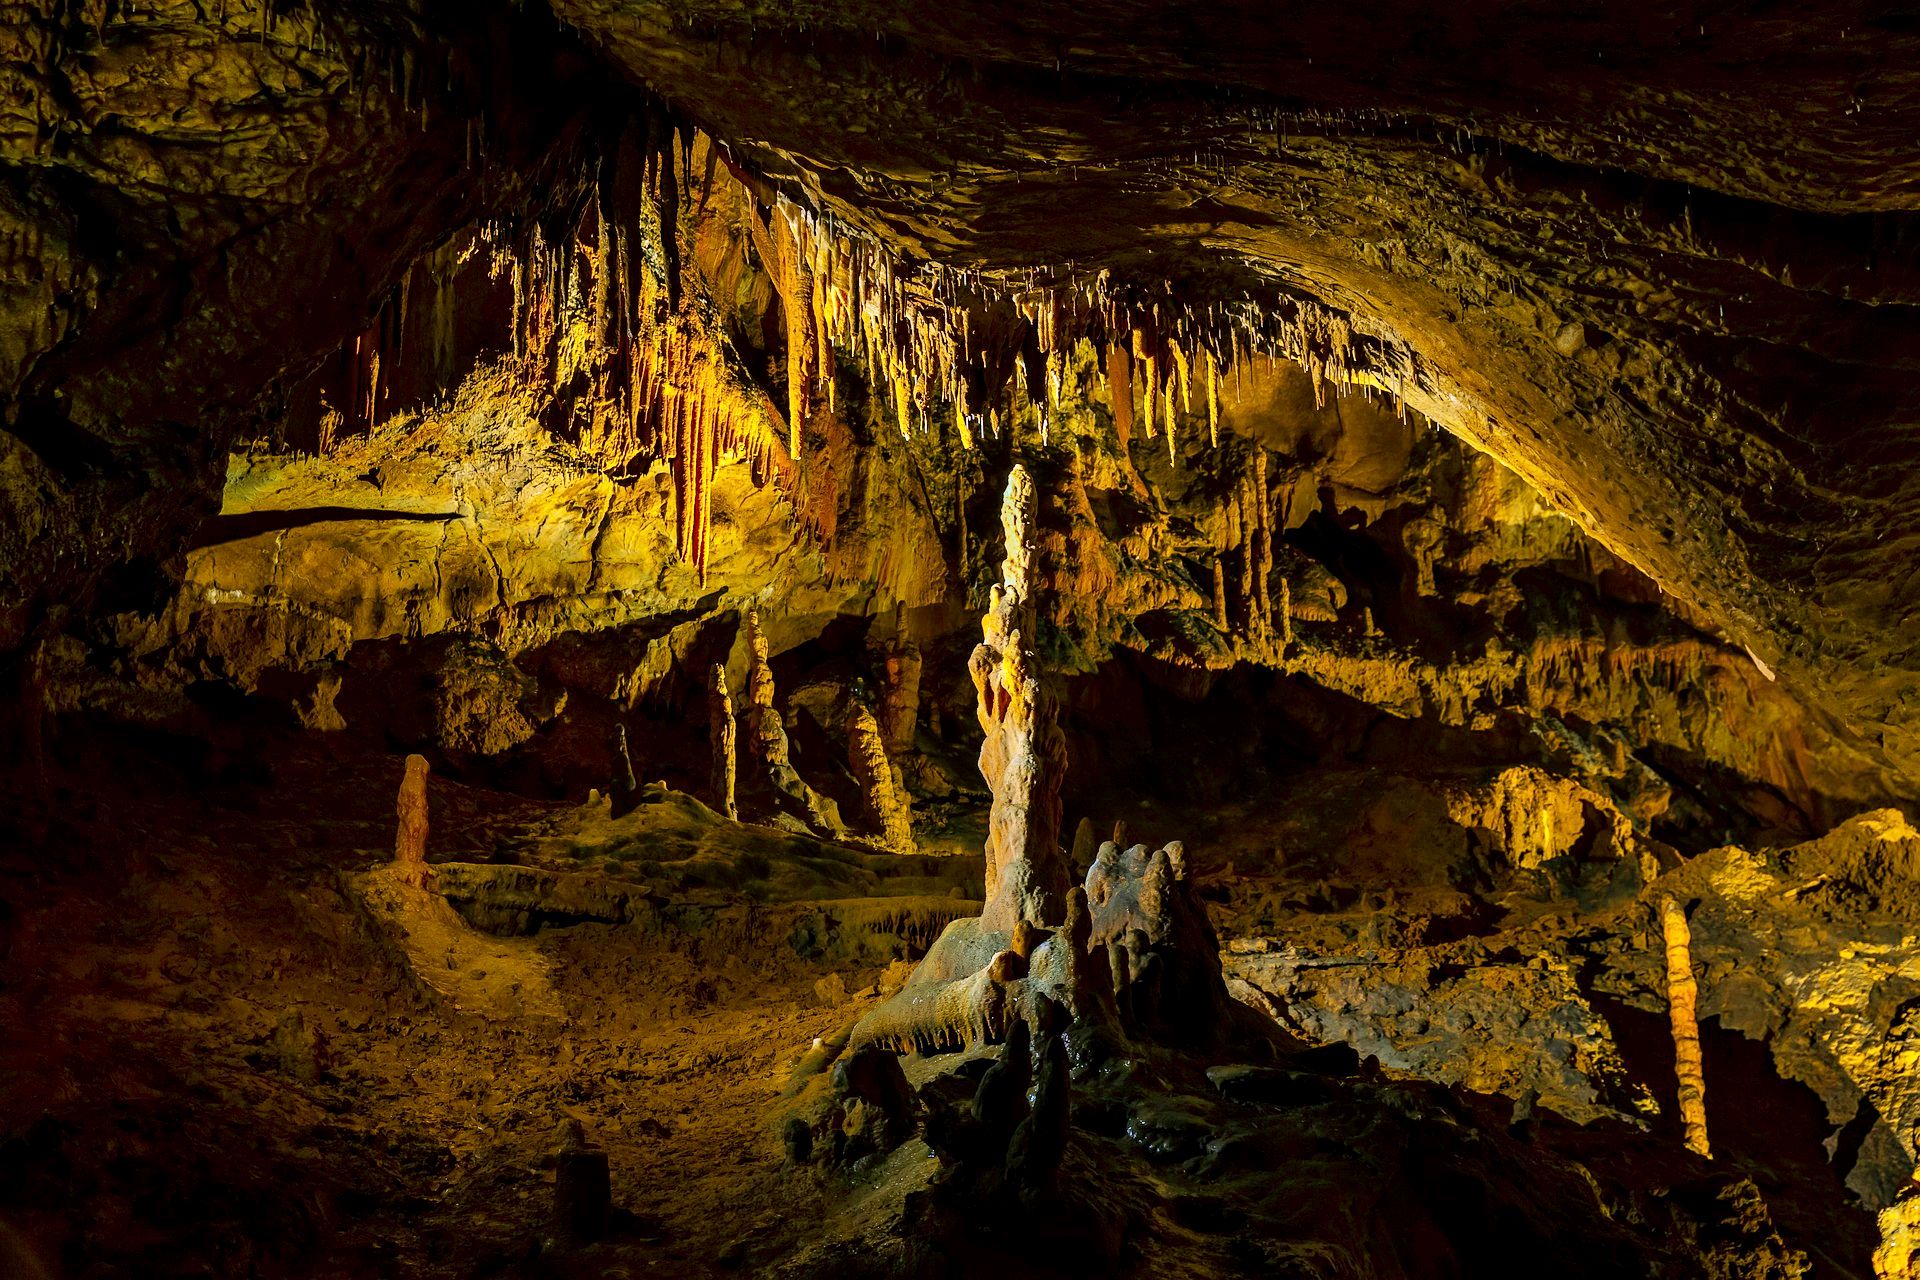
x=768, y=736
x=1240, y=518
x=886, y=802
x=1213, y=400
x=900, y=700
x=410, y=841
x=1286, y=617
x=721, y=725
x=1081, y=855
x=1681, y=992
x=582, y=1196
x=1023, y=755
x=1220, y=595
x=1260, y=516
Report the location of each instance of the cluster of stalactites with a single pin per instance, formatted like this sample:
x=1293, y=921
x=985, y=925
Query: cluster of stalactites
x=650, y=375
x=638, y=368
x=936, y=341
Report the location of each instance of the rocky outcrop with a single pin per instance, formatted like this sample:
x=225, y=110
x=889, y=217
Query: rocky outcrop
x=1812, y=950
x=1516, y=1027
x=167, y=163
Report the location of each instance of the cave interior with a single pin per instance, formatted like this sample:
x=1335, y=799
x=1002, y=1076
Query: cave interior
x=695, y=638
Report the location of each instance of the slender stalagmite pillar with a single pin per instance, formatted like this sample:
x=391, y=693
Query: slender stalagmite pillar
x=1681, y=992
x=720, y=716
x=1261, y=518
x=410, y=840
x=1240, y=523
x=1219, y=595
x=1023, y=756
x=1286, y=617
x=886, y=805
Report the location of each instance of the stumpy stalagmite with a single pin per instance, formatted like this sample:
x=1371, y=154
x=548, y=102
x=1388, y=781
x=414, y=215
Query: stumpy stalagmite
x=410, y=808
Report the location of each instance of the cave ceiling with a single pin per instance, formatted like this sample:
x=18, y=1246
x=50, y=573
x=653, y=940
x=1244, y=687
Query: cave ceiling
x=1662, y=266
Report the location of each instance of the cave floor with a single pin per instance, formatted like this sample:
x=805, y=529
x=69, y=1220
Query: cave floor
x=225, y=1064
x=159, y=1123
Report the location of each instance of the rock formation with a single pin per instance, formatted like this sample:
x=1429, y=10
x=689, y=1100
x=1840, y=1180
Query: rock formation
x=624, y=788
x=1898, y=1257
x=1460, y=470
x=1681, y=997
x=1023, y=755
x=720, y=723
x=410, y=838
x=873, y=770
x=767, y=734
x=900, y=695
x=1037, y=946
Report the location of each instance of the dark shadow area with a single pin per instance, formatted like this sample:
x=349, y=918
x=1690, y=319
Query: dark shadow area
x=248, y=524
x=1770, y=1129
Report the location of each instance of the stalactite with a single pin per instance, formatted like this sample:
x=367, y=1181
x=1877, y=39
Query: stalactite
x=1143, y=355
x=1213, y=399
x=1682, y=991
x=661, y=381
x=1120, y=393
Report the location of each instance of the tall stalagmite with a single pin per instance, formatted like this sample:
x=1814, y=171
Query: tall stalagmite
x=410, y=839
x=886, y=802
x=1023, y=757
x=1681, y=992
x=720, y=717
x=768, y=736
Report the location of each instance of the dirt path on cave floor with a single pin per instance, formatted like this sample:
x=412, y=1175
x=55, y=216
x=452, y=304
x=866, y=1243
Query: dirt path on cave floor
x=161, y=1113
